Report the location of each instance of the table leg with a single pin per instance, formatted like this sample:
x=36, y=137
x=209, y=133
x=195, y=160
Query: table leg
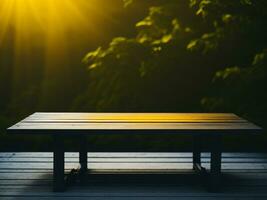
x=83, y=158
x=58, y=170
x=197, y=153
x=215, y=163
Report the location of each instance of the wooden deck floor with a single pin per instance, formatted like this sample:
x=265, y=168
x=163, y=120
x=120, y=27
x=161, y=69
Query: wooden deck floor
x=133, y=176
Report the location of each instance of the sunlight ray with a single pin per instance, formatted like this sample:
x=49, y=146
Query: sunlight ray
x=5, y=16
x=43, y=34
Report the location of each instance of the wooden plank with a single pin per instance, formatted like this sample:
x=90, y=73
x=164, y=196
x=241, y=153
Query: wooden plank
x=136, y=116
x=132, y=155
x=16, y=183
x=131, y=171
x=151, y=166
x=32, y=175
x=162, y=197
x=7, y=183
x=158, y=197
x=257, y=169
x=25, y=176
x=47, y=175
x=232, y=189
x=133, y=191
x=138, y=127
x=131, y=120
x=100, y=165
x=128, y=160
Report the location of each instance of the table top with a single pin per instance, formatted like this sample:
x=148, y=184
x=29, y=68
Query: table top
x=155, y=123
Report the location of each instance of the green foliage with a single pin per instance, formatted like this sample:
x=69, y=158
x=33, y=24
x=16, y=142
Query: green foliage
x=150, y=72
x=127, y=2
x=242, y=90
x=239, y=34
x=181, y=53
x=233, y=25
x=121, y=62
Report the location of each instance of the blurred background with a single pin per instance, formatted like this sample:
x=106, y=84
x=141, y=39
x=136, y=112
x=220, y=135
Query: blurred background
x=132, y=56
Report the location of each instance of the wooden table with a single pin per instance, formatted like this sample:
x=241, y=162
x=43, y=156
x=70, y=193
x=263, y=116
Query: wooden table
x=197, y=125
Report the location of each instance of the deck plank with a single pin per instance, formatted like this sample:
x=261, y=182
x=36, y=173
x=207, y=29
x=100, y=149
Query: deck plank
x=131, y=155
x=29, y=176
x=129, y=160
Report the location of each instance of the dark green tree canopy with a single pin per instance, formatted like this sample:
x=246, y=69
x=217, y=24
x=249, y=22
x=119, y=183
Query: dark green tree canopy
x=188, y=55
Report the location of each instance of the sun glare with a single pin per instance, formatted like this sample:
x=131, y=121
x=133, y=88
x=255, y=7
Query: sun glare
x=48, y=30
x=47, y=15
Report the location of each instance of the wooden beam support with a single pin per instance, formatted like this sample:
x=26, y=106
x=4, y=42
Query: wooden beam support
x=83, y=158
x=196, y=152
x=215, y=163
x=58, y=170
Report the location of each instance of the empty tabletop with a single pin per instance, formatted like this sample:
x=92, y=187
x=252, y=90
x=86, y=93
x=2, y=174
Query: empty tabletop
x=157, y=123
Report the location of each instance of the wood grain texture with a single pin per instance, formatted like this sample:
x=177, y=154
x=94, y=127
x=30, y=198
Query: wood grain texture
x=134, y=128
x=134, y=117
x=194, y=122
x=134, y=123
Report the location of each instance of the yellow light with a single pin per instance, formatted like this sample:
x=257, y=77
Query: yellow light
x=50, y=29
x=35, y=15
